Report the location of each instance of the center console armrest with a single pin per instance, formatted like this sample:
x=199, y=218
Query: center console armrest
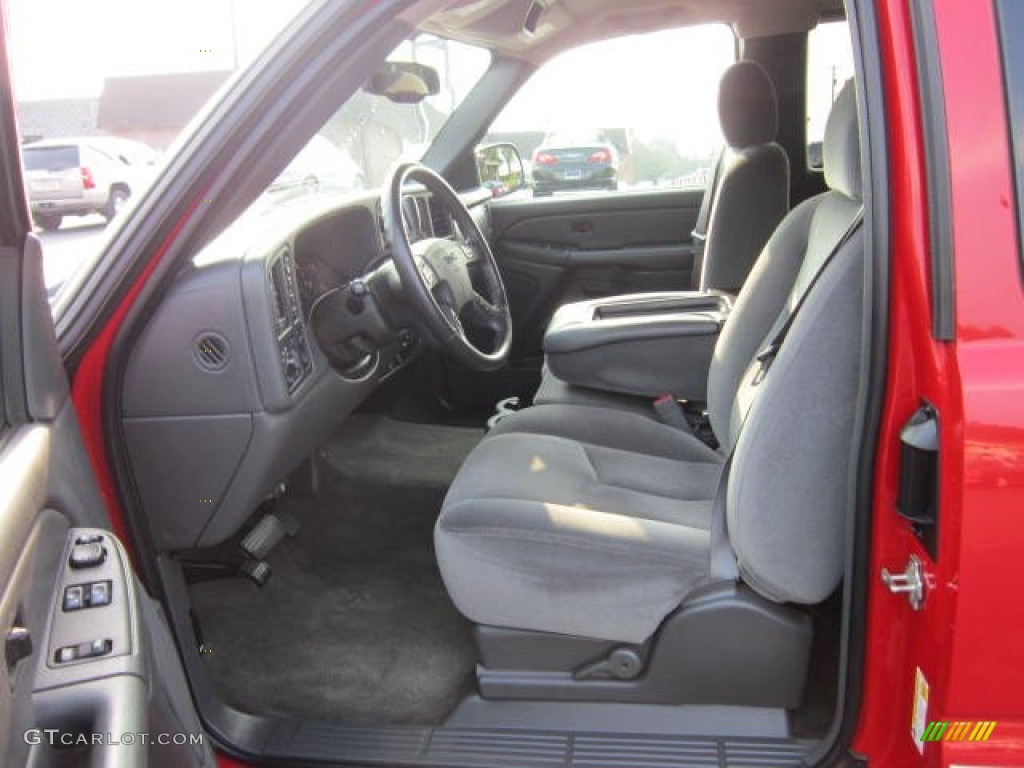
x=644, y=344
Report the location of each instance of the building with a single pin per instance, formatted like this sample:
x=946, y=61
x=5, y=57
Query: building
x=155, y=108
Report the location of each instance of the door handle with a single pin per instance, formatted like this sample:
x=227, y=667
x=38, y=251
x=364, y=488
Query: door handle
x=909, y=583
x=18, y=646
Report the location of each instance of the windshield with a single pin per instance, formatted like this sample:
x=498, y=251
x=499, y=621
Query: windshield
x=360, y=143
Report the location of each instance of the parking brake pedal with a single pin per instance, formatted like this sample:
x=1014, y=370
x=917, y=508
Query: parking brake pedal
x=257, y=570
x=268, y=533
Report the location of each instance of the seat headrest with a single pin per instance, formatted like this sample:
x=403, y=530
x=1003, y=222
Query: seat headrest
x=841, y=148
x=747, y=107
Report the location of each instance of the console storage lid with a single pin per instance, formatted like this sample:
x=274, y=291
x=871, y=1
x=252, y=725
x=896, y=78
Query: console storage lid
x=640, y=344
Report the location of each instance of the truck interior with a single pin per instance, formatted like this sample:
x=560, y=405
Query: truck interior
x=647, y=551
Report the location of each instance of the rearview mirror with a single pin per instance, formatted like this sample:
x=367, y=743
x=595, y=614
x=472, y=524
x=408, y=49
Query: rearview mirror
x=404, y=82
x=501, y=169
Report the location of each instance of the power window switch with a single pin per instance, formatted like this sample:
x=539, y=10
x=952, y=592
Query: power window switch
x=87, y=555
x=99, y=594
x=89, y=538
x=99, y=648
x=82, y=651
x=74, y=598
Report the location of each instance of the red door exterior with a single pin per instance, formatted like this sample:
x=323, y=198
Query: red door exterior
x=968, y=639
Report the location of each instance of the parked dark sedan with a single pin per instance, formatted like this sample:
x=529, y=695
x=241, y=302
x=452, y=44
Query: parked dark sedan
x=575, y=160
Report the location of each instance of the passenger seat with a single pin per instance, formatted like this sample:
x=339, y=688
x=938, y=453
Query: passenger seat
x=742, y=208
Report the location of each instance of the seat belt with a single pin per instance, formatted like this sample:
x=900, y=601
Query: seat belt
x=724, y=566
x=700, y=229
x=770, y=351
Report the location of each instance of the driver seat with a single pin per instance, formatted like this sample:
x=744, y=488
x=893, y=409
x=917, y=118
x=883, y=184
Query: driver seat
x=582, y=521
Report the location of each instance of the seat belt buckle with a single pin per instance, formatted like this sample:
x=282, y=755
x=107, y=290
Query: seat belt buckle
x=667, y=409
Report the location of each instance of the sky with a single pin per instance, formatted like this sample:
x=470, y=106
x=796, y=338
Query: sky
x=65, y=48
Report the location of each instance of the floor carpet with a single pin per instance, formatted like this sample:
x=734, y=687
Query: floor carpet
x=355, y=625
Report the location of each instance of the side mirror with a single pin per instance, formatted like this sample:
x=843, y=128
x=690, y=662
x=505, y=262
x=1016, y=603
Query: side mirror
x=501, y=170
x=404, y=82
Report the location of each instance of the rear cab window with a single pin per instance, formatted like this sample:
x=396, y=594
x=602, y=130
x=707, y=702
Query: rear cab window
x=829, y=66
x=627, y=114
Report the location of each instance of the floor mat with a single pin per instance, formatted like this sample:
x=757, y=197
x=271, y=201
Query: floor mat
x=355, y=626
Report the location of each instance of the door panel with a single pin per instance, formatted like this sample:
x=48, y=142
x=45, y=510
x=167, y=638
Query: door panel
x=555, y=250
x=48, y=501
x=78, y=628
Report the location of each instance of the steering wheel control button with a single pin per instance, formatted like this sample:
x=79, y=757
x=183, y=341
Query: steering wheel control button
x=99, y=594
x=89, y=538
x=74, y=598
x=87, y=555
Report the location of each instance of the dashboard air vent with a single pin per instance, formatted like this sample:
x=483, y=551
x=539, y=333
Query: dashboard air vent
x=212, y=352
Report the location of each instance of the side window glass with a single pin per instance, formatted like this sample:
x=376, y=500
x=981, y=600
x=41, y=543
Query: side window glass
x=632, y=113
x=829, y=66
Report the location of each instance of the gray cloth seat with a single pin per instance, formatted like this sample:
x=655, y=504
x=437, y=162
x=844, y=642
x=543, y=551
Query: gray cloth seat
x=593, y=521
x=748, y=200
x=583, y=507
x=752, y=192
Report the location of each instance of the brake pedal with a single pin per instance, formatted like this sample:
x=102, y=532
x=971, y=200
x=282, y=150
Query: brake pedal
x=268, y=532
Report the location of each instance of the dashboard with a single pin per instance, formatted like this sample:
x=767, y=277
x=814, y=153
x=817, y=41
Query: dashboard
x=335, y=250
x=258, y=353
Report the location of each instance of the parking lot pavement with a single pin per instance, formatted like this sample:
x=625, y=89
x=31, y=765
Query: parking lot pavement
x=77, y=240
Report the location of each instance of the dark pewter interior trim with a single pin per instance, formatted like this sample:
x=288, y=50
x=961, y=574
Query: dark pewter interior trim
x=936, y=159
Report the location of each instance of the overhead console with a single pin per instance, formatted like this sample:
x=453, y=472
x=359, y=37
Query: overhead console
x=645, y=344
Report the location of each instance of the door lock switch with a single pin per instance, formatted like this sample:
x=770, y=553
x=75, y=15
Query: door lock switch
x=87, y=555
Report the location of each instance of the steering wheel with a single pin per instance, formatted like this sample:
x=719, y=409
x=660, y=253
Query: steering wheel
x=454, y=284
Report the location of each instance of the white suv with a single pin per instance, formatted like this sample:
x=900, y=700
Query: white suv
x=76, y=177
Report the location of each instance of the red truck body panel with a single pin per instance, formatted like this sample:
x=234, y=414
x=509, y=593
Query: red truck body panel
x=967, y=640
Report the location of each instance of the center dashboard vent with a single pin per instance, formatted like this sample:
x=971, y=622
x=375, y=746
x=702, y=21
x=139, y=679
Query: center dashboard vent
x=212, y=352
